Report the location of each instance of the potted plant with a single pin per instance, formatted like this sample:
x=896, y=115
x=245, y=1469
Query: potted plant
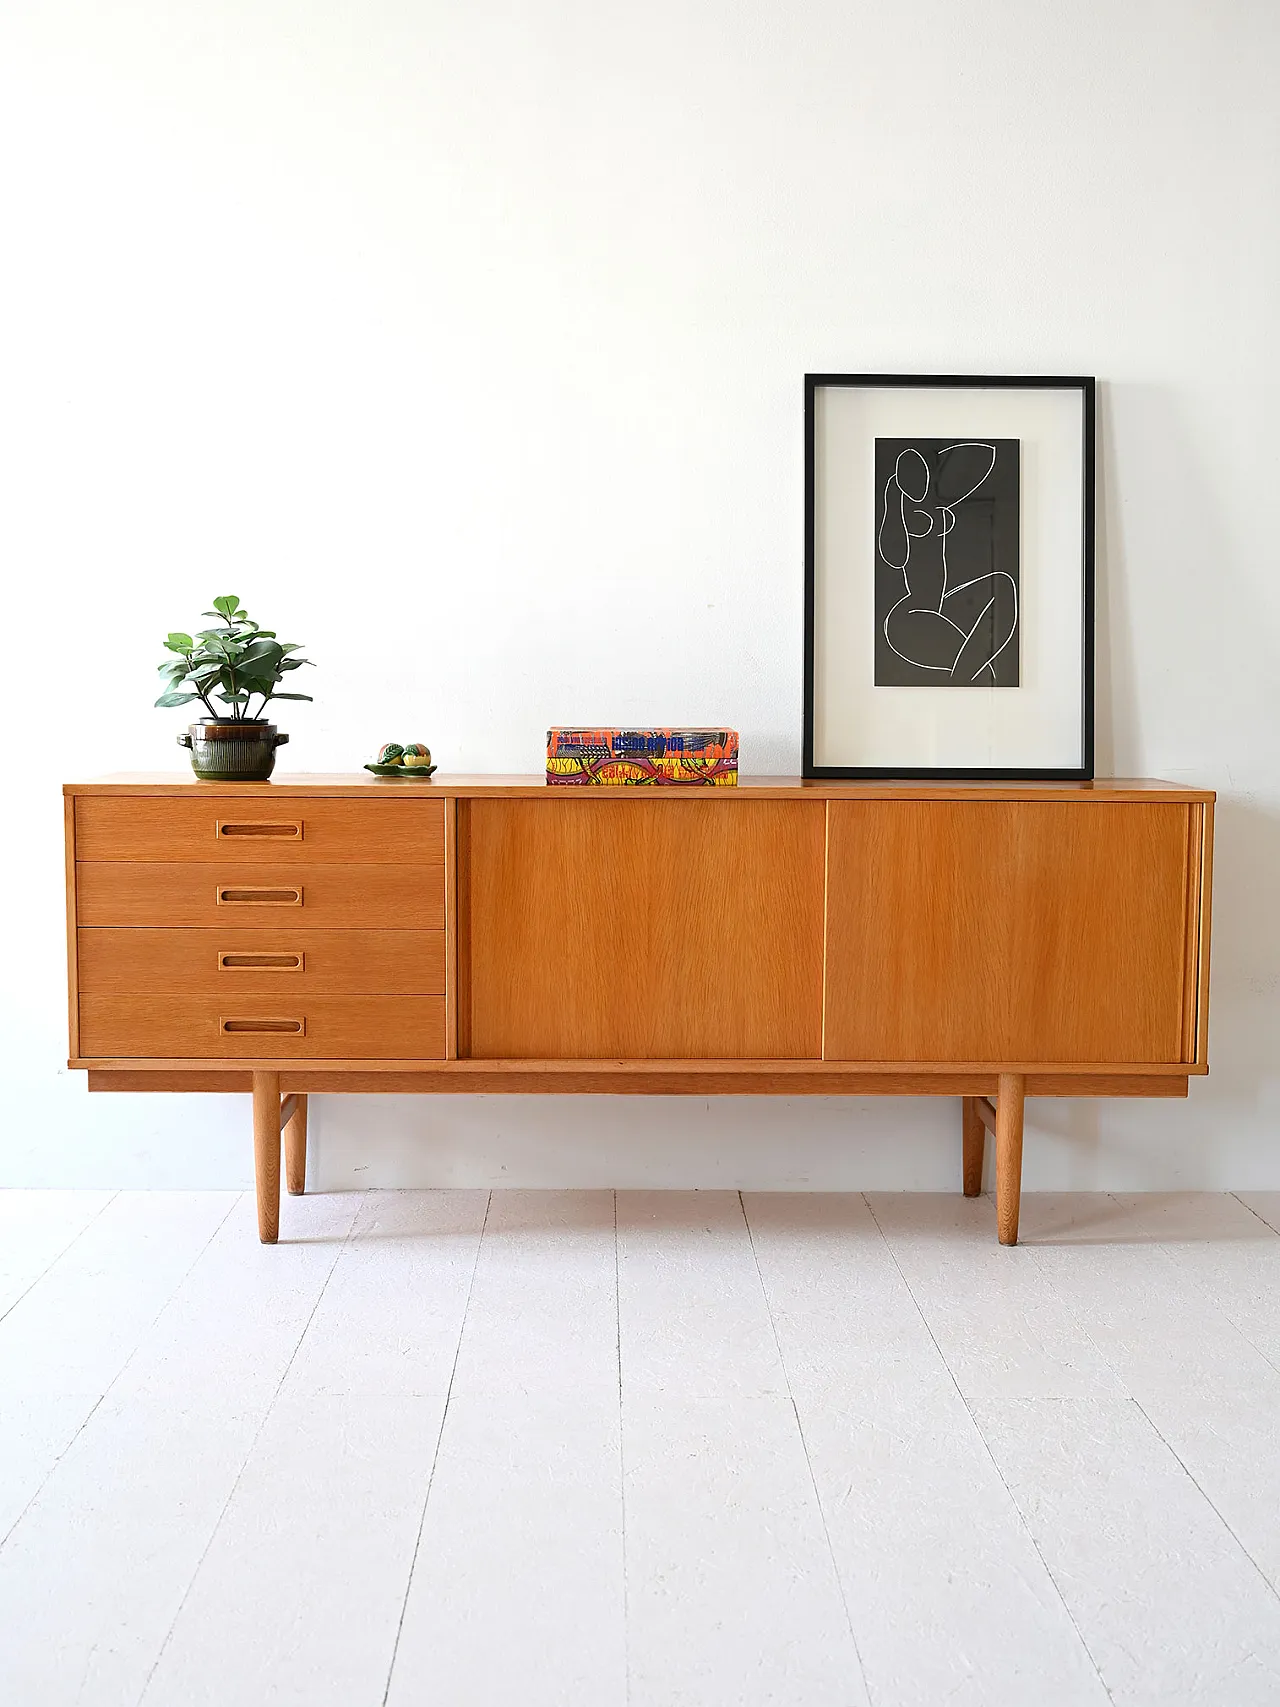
x=236, y=663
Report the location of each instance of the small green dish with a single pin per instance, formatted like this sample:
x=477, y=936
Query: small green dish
x=401, y=770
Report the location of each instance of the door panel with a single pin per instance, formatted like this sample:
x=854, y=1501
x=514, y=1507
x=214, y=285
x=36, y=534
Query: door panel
x=1006, y=931
x=641, y=929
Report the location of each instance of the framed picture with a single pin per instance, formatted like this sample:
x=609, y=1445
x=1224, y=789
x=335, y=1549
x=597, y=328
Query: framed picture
x=948, y=577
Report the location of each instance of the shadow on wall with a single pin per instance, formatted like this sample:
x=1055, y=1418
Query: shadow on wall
x=1223, y=1134
x=1189, y=663
x=637, y=1142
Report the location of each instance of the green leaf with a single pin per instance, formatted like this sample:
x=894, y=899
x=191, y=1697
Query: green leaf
x=305, y=696
x=227, y=605
x=168, y=699
x=180, y=643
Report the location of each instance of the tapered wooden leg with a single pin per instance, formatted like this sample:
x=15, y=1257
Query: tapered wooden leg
x=266, y=1153
x=295, y=1148
x=975, y=1143
x=1010, y=1096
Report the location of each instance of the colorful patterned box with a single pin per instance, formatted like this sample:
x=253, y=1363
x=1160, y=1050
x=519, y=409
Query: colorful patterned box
x=629, y=757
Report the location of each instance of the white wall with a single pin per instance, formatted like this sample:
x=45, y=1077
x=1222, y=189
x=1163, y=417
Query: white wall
x=465, y=343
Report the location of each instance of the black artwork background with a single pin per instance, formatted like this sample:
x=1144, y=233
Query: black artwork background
x=947, y=570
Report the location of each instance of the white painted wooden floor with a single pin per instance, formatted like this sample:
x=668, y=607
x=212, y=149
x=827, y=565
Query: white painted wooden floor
x=663, y=1449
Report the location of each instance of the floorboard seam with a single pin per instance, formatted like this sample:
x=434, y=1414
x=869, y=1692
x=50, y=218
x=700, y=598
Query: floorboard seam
x=257, y=1436
x=1221, y=1309
x=57, y=1257
x=1205, y=1495
x=102, y=1397
x=1069, y=1306
x=1074, y=1313
x=804, y=1447
x=986, y=1447
x=1240, y=1200
x=622, y=1459
x=435, y=1456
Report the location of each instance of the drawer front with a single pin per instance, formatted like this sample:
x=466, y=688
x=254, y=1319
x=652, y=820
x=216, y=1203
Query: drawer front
x=228, y=895
x=330, y=1028
x=306, y=832
x=280, y=964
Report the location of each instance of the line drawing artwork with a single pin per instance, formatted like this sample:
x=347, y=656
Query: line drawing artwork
x=947, y=571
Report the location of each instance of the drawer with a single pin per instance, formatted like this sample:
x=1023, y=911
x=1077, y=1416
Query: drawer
x=284, y=965
x=330, y=1028
x=252, y=832
x=230, y=895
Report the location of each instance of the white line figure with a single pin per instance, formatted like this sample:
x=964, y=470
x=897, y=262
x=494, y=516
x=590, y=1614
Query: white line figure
x=956, y=632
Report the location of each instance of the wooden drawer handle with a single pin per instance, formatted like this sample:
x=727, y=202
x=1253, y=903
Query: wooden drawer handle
x=260, y=832
x=261, y=962
x=259, y=897
x=296, y=1027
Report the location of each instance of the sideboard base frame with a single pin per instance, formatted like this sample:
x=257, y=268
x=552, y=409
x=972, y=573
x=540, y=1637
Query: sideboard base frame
x=280, y=1095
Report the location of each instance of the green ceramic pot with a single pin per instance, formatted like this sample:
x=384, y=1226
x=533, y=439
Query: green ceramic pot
x=232, y=752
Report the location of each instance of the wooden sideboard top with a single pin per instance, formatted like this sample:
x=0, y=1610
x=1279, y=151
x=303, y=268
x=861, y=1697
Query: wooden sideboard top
x=362, y=783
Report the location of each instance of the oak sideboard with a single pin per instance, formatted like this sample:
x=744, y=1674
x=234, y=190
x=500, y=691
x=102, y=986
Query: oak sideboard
x=348, y=934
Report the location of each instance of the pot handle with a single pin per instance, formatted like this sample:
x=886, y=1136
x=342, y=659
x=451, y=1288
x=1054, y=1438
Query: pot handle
x=184, y=740
x=280, y=740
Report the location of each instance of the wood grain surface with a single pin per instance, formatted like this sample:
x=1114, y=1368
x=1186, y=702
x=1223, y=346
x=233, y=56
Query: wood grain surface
x=1204, y=879
x=293, y=1119
x=1010, y=1093
x=127, y=893
x=642, y=928
x=73, y=956
x=403, y=831
x=266, y=1154
x=581, y=1078
x=354, y=1027
x=1007, y=933
x=973, y=1139
x=363, y=786
x=144, y=961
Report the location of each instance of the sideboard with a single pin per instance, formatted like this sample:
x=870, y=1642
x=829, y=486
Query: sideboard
x=344, y=933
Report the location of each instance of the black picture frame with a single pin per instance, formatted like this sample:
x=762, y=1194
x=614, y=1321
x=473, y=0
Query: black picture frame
x=1086, y=387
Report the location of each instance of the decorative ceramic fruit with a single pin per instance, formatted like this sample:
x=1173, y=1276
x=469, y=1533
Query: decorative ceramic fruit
x=416, y=756
x=391, y=754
